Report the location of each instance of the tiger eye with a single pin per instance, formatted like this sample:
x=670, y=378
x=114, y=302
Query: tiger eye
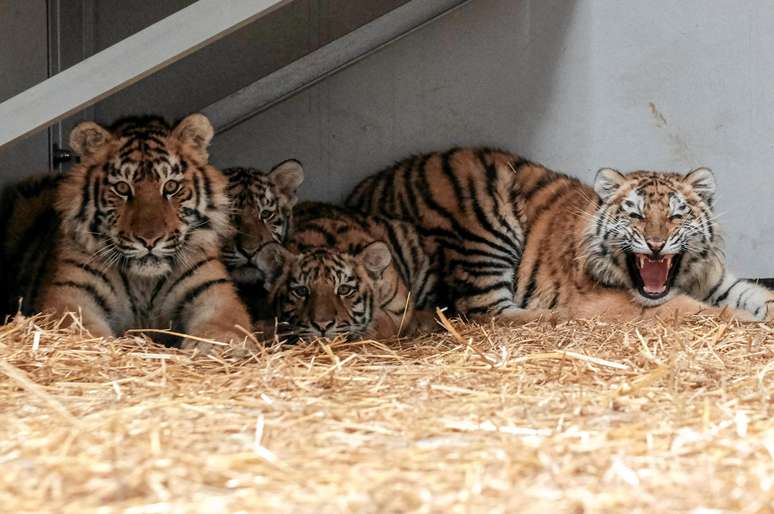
x=122, y=188
x=266, y=215
x=345, y=290
x=300, y=291
x=171, y=187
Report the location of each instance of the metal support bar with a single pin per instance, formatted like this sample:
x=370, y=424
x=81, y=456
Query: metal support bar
x=328, y=60
x=126, y=62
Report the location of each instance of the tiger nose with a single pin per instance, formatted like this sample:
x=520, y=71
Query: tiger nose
x=655, y=245
x=149, y=241
x=248, y=252
x=323, y=326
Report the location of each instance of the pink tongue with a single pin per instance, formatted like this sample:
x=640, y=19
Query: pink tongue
x=654, y=275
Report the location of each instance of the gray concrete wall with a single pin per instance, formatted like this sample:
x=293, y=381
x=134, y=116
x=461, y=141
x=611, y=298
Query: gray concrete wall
x=228, y=64
x=666, y=84
x=88, y=26
x=23, y=63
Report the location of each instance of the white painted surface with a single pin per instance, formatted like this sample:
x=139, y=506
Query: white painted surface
x=665, y=84
x=126, y=62
x=327, y=60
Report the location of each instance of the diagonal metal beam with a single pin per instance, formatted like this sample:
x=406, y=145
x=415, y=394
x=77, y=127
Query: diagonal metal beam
x=126, y=62
x=327, y=60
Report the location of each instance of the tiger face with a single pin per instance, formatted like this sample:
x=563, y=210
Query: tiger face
x=653, y=231
x=261, y=206
x=149, y=199
x=323, y=292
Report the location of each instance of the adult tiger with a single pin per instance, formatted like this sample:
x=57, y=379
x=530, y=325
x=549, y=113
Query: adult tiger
x=347, y=274
x=141, y=220
x=518, y=238
x=261, y=212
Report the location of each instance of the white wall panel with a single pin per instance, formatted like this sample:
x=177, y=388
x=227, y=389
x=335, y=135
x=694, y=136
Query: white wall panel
x=666, y=84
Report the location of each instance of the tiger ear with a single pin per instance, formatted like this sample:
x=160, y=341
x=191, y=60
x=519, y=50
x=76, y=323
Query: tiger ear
x=87, y=139
x=195, y=133
x=607, y=182
x=287, y=176
x=376, y=257
x=702, y=180
x=271, y=260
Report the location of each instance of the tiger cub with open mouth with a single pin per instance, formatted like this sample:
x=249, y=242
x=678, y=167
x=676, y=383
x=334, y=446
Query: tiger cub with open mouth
x=520, y=241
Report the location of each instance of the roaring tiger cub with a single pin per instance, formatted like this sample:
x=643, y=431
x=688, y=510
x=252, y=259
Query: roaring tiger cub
x=141, y=220
x=347, y=274
x=261, y=211
x=518, y=238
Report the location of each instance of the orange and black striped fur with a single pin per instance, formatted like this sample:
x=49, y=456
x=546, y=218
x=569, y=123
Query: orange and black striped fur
x=520, y=240
x=346, y=274
x=261, y=212
x=29, y=227
x=141, y=221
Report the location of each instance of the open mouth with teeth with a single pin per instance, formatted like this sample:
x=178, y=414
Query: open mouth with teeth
x=653, y=274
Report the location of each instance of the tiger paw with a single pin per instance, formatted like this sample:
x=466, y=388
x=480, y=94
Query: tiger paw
x=232, y=345
x=728, y=314
x=266, y=329
x=241, y=349
x=198, y=346
x=424, y=322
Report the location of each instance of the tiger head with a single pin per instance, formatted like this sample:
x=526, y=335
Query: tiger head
x=323, y=292
x=653, y=232
x=261, y=211
x=143, y=196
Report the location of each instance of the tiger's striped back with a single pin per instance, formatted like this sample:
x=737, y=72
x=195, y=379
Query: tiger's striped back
x=479, y=205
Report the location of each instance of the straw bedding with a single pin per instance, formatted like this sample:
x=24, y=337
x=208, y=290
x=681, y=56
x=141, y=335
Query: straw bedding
x=577, y=417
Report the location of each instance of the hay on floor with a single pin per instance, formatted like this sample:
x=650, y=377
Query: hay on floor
x=584, y=416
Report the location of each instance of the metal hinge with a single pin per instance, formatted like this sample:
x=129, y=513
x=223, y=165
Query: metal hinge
x=61, y=155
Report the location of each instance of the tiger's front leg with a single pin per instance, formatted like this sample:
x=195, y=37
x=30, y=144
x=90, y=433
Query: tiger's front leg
x=89, y=295
x=208, y=307
x=221, y=317
x=618, y=305
x=685, y=305
x=743, y=294
x=83, y=301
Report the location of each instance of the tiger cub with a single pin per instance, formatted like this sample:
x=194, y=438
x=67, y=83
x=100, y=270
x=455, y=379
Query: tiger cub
x=348, y=274
x=262, y=212
x=518, y=238
x=140, y=223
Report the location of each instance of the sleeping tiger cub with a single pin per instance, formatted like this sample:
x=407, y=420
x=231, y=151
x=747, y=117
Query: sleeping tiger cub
x=351, y=275
x=141, y=220
x=520, y=241
x=261, y=212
